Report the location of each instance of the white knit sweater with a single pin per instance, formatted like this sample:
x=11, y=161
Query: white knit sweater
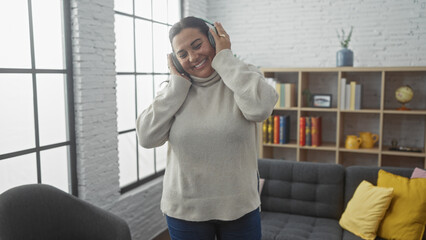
x=210, y=126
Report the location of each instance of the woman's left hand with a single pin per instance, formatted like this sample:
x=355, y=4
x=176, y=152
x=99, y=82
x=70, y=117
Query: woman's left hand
x=221, y=38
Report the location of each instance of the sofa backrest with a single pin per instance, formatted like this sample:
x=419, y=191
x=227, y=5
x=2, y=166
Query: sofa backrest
x=355, y=174
x=303, y=188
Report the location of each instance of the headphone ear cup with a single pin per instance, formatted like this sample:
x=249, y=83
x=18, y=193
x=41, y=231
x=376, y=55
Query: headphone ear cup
x=177, y=64
x=211, y=39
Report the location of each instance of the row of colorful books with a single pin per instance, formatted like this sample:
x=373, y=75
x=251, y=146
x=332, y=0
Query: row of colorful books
x=350, y=98
x=286, y=93
x=276, y=129
x=310, y=131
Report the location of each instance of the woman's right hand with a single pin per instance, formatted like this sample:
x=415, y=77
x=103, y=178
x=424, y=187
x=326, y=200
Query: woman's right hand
x=173, y=69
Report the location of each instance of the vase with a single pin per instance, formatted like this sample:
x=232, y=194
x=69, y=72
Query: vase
x=344, y=57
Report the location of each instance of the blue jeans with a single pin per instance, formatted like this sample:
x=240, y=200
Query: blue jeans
x=245, y=228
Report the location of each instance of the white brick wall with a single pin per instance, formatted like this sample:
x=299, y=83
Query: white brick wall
x=197, y=8
x=95, y=103
x=277, y=33
x=93, y=41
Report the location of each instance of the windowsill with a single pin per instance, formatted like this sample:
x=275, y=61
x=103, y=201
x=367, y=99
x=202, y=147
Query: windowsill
x=142, y=188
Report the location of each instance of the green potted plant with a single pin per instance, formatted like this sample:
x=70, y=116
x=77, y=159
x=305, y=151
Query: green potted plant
x=344, y=57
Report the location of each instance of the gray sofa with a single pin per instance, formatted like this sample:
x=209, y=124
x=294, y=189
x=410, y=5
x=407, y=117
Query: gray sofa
x=304, y=200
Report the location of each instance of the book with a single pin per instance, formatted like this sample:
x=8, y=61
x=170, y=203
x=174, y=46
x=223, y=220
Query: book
x=286, y=129
x=342, y=93
x=352, y=99
x=308, y=131
x=282, y=97
x=316, y=131
x=290, y=94
x=270, y=129
x=278, y=89
x=276, y=129
x=265, y=131
x=302, y=134
x=281, y=129
x=347, y=96
x=358, y=89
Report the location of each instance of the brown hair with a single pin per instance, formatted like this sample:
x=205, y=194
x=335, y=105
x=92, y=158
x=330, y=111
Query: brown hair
x=188, y=22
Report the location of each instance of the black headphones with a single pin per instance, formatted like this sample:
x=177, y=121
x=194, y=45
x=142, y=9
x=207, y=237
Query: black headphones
x=176, y=62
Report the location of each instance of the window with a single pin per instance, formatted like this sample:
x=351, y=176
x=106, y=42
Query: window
x=142, y=45
x=37, y=143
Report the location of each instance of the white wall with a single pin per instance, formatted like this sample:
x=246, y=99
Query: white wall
x=302, y=33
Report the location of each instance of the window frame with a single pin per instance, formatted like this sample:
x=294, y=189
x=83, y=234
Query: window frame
x=69, y=99
x=134, y=74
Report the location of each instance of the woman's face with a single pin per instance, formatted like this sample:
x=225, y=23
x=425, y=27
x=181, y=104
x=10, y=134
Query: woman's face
x=194, y=52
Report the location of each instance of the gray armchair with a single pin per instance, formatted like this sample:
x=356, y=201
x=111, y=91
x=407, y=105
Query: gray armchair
x=43, y=212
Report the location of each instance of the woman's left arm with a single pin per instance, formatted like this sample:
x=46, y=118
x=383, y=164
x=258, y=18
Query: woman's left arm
x=255, y=98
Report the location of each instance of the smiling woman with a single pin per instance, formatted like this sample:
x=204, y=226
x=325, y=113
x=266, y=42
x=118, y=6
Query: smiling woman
x=208, y=115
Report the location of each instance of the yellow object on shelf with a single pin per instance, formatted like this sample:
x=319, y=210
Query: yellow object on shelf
x=353, y=142
x=368, y=139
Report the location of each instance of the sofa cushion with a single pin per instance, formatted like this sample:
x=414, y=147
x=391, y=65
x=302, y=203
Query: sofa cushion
x=366, y=209
x=355, y=174
x=305, y=188
x=406, y=217
x=283, y=226
x=350, y=236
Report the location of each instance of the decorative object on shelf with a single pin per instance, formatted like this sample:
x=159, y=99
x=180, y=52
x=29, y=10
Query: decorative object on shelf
x=345, y=56
x=395, y=147
x=352, y=142
x=308, y=97
x=403, y=95
x=368, y=139
x=321, y=100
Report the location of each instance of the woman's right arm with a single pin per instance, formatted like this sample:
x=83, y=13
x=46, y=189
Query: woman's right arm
x=153, y=124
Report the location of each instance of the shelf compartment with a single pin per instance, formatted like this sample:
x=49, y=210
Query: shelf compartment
x=319, y=83
x=354, y=123
x=407, y=130
x=416, y=80
x=371, y=84
x=328, y=125
x=292, y=144
x=361, y=111
x=374, y=150
x=411, y=112
x=403, y=161
x=314, y=155
x=319, y=109
x=402, y=153
x=286, y=109
x=326, y=146
x=358, y=158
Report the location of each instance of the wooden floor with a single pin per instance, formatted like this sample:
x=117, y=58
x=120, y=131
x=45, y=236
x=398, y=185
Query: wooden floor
x=162, y=236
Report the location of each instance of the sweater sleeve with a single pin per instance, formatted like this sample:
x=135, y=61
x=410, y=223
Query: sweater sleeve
x=255, y=98
x=153, y=124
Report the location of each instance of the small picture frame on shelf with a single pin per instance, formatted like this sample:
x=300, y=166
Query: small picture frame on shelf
x=321, y=100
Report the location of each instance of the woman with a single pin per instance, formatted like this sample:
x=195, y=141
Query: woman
x=208, y=116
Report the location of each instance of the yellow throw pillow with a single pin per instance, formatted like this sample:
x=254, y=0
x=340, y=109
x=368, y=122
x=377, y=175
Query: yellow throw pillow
x=366, y=209
x=406, y=215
